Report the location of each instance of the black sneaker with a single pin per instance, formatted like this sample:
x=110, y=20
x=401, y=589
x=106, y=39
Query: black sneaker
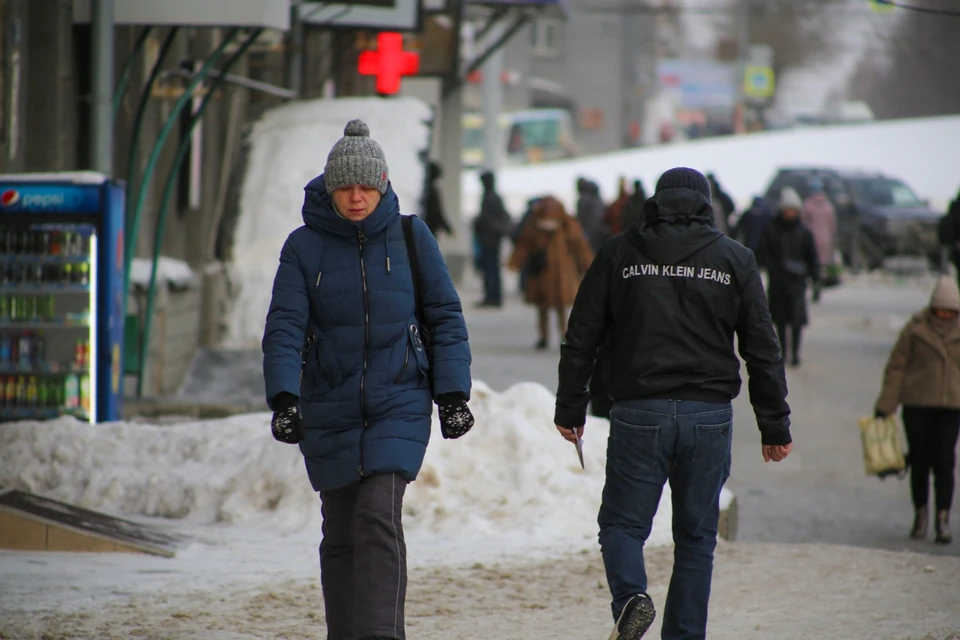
x=635, y=619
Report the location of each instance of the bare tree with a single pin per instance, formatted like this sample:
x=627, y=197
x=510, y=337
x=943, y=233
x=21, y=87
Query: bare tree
x=913, y=72
x=800, y=33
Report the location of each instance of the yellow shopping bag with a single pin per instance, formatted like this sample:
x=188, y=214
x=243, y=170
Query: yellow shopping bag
x=882, y=451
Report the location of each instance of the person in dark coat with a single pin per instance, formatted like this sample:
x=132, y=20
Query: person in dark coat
x=789, y=253
x=949, y=234
x=515, y=237
x=670, y=299
x=490, y=227
x=723, y=204
x=590, y=212
x=349, y=379
x=433, y=210
x=633, y=211
x=750, y=226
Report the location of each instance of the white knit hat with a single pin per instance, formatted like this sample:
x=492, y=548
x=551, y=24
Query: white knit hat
x=946, y=295
x=790, y=199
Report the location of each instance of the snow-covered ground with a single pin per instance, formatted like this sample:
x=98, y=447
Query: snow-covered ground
x=512, y=487
x=288, y=148
x=921, y=152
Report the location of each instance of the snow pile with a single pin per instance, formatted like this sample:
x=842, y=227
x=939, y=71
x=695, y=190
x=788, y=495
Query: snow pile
x=917, y=151
x=169, y=270
x=288, y=148
x=512, y=476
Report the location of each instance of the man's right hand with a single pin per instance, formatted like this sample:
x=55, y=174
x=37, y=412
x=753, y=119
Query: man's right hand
x=776, y=452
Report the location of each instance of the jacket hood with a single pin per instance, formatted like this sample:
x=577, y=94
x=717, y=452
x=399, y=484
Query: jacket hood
x=320, y=215
x=679, y=224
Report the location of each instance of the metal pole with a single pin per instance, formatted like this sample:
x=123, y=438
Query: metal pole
x=101, y=93
x=131, y=233
x=128, y=67
x=743, y=53
x=168, y=192
x=492, y=102
x=138, y=123
x=295, y=58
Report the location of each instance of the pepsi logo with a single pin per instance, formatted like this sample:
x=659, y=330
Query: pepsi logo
x=9, y=198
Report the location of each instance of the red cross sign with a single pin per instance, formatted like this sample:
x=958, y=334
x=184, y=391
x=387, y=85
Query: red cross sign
x=389, y=62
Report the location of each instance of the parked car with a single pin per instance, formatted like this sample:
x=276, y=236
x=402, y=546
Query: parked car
x=877, y=216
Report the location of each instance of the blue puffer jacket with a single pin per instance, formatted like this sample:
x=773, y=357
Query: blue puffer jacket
x=342, y=334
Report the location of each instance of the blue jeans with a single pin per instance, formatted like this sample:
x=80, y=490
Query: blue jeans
x=652, y=442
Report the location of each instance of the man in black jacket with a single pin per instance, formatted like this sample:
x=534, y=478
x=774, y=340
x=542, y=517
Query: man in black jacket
x=670, y=296
x=490, y=227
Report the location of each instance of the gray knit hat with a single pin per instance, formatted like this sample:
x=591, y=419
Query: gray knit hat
x=356, y=159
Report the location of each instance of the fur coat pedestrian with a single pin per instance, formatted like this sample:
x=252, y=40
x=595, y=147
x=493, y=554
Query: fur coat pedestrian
x=556, y=253
x=819, y=216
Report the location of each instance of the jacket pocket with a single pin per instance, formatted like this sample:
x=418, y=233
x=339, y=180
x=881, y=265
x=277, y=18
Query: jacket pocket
x=635, y=447
x=712, y=449
x=318, y=373
x=419, y=350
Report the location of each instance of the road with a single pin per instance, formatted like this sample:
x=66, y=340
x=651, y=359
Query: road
x=820, y=494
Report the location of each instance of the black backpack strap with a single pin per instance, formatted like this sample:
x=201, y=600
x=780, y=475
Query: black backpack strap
x=407, y=223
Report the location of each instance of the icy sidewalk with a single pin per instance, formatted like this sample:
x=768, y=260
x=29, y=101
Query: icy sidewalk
x=510, y=488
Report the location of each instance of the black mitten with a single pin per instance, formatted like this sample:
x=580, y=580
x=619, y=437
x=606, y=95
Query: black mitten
x=455, y=416
x=287, y=425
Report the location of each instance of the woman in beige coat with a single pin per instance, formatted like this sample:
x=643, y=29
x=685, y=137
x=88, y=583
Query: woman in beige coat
x=923, y=375
x=556, y=254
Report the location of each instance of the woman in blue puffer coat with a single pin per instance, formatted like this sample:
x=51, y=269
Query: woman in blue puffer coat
x=350, y=379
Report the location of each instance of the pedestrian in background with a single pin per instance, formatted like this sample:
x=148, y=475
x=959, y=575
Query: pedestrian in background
x=723, y=206
x=750, y=226
x=668, y=299
x=819, y=216
x=590, y=210
x=613, y=218
x=433, y=210
x=491, y=226
x=633, y=212
x=349, y=379
x=554, y=250
x=949, y=234
x=789, y=254
x=923, y=375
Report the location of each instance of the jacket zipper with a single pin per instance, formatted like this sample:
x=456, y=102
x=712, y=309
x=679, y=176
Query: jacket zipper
x=406, y=360
x=304, y=354
x=366, y=346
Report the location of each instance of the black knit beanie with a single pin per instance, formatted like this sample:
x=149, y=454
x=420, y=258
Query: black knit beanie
x=683, y=178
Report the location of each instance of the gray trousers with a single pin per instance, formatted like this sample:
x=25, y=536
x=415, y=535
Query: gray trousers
x=363, y=559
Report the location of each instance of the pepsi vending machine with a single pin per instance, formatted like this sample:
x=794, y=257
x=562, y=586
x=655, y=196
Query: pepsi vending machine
x=61, y=296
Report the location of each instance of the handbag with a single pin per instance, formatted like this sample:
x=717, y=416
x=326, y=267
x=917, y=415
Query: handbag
x=426, y=331
x=882, y=450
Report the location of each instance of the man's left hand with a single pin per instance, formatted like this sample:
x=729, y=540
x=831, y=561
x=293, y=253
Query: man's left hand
x=570, y=435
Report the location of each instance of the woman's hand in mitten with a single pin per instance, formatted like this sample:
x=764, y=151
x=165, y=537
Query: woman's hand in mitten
x=455, y=416
x=287, y=425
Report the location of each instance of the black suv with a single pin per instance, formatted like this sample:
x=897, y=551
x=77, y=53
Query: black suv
x=877, y=216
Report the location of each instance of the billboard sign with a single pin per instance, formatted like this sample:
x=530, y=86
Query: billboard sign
x=699, y=84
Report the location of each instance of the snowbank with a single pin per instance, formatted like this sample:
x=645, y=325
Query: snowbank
x=511, y=477
x=288, y=148
x=169, y=270
x=921, y=152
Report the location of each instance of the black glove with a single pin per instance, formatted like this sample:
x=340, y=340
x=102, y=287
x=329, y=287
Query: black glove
x=455, y=416
x=287, y=425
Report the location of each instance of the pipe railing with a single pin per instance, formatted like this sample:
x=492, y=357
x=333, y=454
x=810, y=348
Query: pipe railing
x=168, y=190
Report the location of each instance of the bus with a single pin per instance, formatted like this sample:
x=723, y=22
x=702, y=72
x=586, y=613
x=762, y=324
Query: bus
x=530, y=136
